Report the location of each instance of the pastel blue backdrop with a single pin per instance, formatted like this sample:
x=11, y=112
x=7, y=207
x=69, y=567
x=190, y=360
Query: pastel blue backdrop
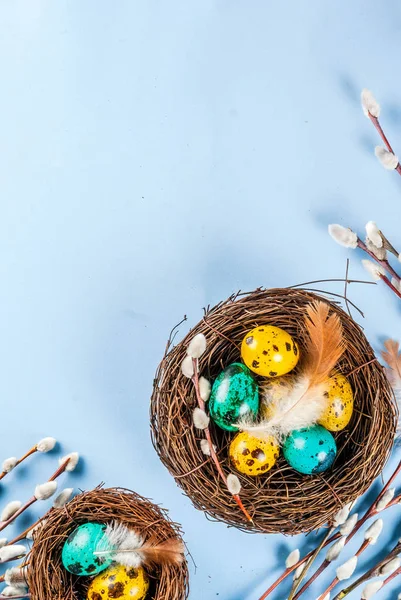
x=156, y=157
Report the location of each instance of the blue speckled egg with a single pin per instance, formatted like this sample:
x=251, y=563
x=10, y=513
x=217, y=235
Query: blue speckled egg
x=78, y=551
x=310, y=450
x=235, y=394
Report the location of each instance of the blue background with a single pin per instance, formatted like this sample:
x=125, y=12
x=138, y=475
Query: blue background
x=156, y=157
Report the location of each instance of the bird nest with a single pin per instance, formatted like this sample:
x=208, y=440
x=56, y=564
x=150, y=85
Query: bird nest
x=47, y=578
x=282, y=500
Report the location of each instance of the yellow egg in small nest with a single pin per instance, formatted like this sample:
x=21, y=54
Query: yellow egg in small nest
x=253, y=456
x=272, y=391
x=340, y=404
x=269, y=351
x=125, y=583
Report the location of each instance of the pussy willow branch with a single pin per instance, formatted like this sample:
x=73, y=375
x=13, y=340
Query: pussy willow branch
x=371, y=511
x=383, y=136
x=213, y=454
x=335, y=581
x=60, y=470
x=370, y=573
x=297, y=583
x=382, y=262
x=33, y=450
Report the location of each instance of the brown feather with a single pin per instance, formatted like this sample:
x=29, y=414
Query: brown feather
x=170, y=552
x=325, y=344
x=392, y=357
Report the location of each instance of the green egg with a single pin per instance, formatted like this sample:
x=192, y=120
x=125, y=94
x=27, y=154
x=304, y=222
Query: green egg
x=310, y=450
x=235, y=394
x=78, y=554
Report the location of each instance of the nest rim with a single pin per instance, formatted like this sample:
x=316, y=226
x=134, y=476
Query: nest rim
x=280, y=501
x=47, y=579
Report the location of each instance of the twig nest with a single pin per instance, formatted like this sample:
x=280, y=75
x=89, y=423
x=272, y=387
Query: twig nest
x=280, y=500
x=47, y=577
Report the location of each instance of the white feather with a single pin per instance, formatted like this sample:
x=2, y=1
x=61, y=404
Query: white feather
x=300, y=407
x=121, y=543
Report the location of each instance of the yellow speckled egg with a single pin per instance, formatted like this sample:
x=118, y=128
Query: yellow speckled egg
x=269, y=351
x=340, y=404
x=125, y=583
x=253, y=456
x=272, y=391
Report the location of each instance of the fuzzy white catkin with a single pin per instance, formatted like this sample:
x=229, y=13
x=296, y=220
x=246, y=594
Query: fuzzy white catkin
x=11, y=552
x=204, y=388
x=335, y=550
x=346, y=570
x=380, y=253
x=373, y=233
x=15, y=576
x=187, y=367
x=372, y=533
x=204, y=444
x=9, y=464
x=371, y=589
x=31, y=532
x=374, y=270
x=200, y=418
x=369, y=104
x=391, y=566
x=10, y=509
x=63, y=497
x=385, y=499
x=197, y=346
x=298, y=572
x=46, y=444
x=73, y=460
x=13, y=590
x=342, y=515
x=395, y=283
x=387, y=159
x=327, y=596
x=349, y=524
x=44, y=491
x=343, y=236
x=3, y=542
x=233, y=484
x=292, y=558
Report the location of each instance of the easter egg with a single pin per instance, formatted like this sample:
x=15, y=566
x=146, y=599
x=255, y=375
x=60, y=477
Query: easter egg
x=340, y=404
x=78, y=551
x=234, y=394
x=124, y=583
x=272, y=392
x=310, y=450
x=269, y=351
x=253, y=456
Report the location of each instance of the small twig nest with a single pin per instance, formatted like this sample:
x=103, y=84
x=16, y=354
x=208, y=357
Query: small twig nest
x=47, y=578
x=281, y=501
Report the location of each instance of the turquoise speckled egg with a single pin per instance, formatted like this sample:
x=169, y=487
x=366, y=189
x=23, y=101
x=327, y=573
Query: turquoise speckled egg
x=78, y=551
x=235, y=394
x=310, y=450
